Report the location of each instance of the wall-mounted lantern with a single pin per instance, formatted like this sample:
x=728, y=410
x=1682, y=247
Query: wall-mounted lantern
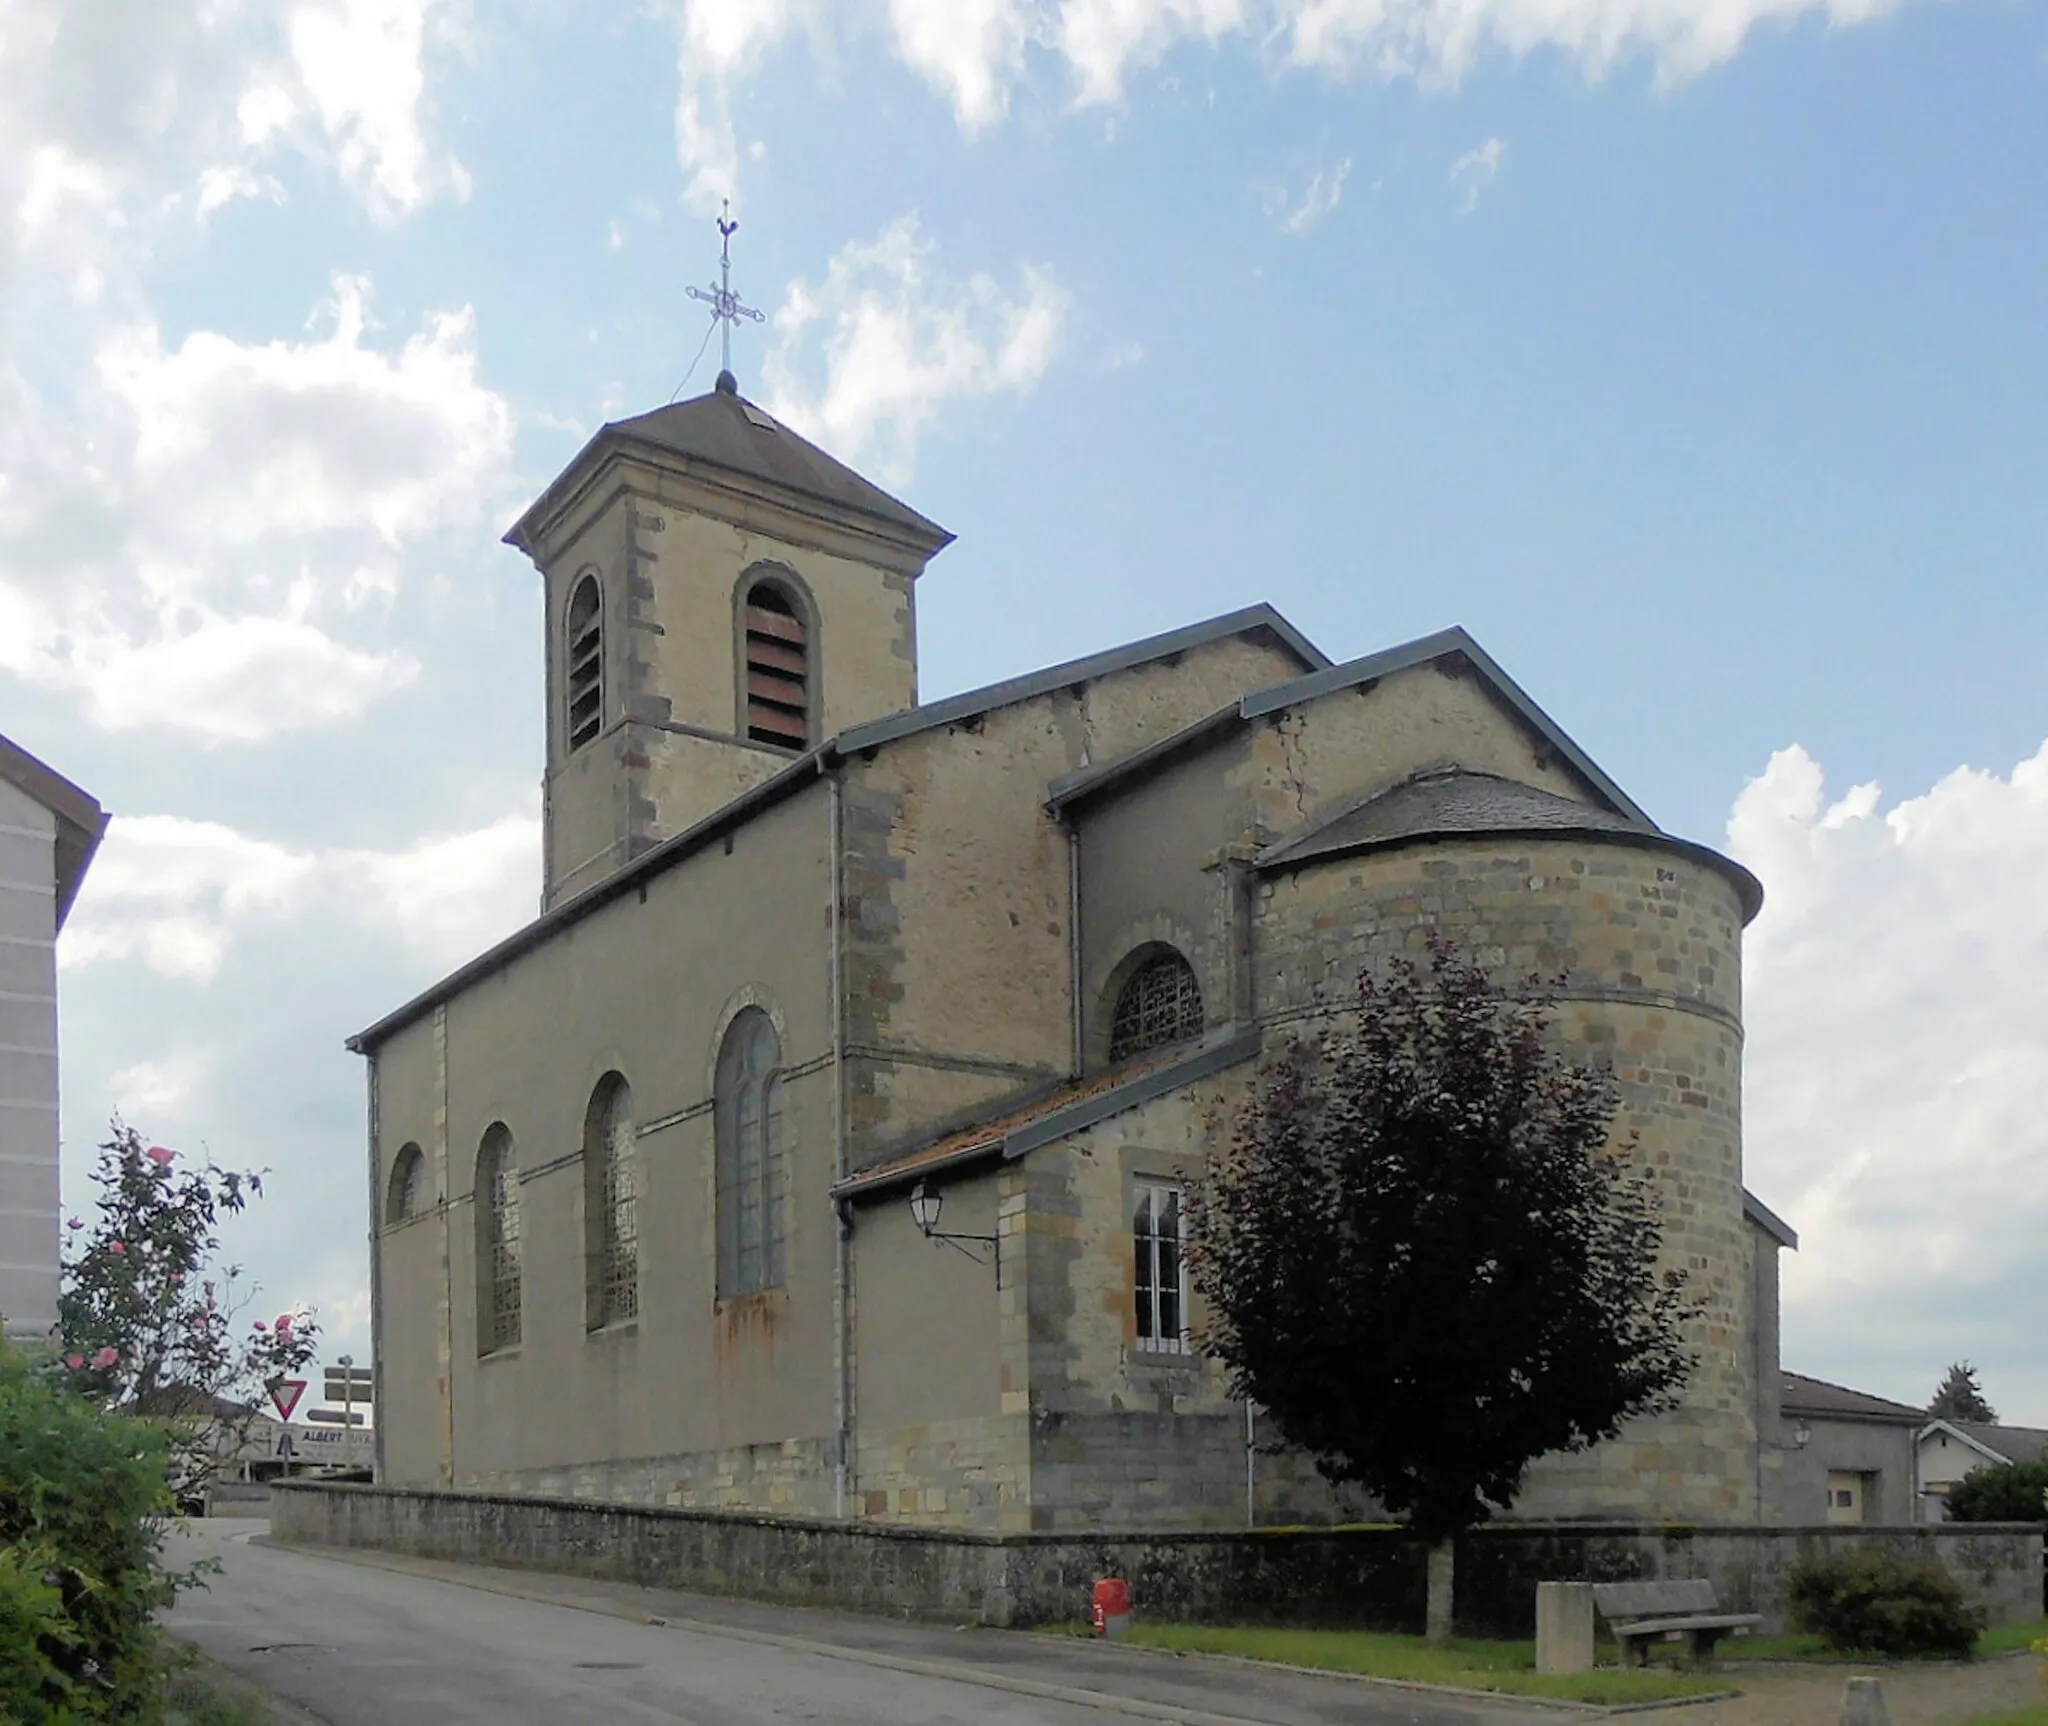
x=1802, y=1436
x=925, y=1205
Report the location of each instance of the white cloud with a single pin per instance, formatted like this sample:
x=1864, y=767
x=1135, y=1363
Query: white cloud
x=1896, y=1074
x=895, y=342
x=176, y=895
x=976, y=53
x=1323, y=193
x=1477, y=169
x=196, y=541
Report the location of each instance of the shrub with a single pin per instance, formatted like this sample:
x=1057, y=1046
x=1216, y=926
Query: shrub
x=83, y=1496
x=2009, y=1492
x=1871, y=1599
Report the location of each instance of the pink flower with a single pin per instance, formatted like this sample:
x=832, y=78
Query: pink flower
x=117, y=1246
x=74, y=1223
x=260, y=1325
x=160, y=1156
x=74, y=1361
x=284, y=1324
x=106, y=1358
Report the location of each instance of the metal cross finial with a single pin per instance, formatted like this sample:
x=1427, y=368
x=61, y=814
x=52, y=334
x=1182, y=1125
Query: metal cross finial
x=727, y=308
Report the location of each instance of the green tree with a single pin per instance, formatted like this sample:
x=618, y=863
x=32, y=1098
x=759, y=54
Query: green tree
x=83, y=1498
x=152, y=1325
x=1422, y=1258
x=1958, y=1397
x=2004, y=1492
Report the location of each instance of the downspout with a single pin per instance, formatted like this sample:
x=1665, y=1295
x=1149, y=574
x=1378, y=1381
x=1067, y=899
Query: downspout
x=843, y=1241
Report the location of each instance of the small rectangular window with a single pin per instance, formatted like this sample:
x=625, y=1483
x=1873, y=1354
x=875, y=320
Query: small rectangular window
x=1161, y=1269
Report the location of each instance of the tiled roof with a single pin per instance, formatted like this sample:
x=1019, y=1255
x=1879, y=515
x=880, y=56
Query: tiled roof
x=725, y=430
x=1803, y=1395
x=2014, y=1443
x=1049, y=1115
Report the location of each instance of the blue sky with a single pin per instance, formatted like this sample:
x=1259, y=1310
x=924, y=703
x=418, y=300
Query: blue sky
x=1691, y=354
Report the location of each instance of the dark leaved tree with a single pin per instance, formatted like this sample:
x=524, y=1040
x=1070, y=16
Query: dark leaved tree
x=1959, y=1397
x=1421, y=1257
x=2002, y=1492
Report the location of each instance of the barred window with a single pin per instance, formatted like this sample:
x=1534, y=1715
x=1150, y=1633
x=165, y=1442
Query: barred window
x=611, y=1206
x=778, y=695
x=752, y=1174
x=584, y=664
x=1160, y=1003
x=497, y=1240
x=402, y=1200
x=1162, y=1274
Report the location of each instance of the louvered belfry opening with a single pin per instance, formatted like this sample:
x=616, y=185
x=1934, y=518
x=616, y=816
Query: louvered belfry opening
x=778, y=670
x=586, y=664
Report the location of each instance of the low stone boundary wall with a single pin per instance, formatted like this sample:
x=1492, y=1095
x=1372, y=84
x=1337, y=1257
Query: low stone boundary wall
x=1370, y=1577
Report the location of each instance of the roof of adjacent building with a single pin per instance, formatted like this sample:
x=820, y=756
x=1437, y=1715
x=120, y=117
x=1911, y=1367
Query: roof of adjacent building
x=1056, y=1112
x=1458, y=802
x=1803, y=1395
x=725, y=430
x=1769, y=1221
x=1257, y=621
x=2009, y=1443
x=80, y=819
x=1453, y=648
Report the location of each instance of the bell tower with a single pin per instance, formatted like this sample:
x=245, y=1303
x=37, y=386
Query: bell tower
x=721, y=596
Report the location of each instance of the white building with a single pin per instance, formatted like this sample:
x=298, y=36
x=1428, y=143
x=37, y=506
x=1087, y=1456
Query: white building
x=48, y=831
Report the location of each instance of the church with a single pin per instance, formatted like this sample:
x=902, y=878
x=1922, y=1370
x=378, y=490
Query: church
x=819, y=1149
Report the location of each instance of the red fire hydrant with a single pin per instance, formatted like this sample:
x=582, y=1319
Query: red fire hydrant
x=1112, y=1606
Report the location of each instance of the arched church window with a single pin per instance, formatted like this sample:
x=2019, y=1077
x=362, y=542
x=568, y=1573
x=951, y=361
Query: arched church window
x=1160, y=1003
x=778, y=667
x=585, y=661
x=497, y=1241
x=402, y=1200
x=611, y=1206
x=752, y=1177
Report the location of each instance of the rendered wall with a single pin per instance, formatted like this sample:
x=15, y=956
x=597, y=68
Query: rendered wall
x=28, y=1065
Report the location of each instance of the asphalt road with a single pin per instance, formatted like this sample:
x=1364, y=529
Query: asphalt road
x=354, y=1644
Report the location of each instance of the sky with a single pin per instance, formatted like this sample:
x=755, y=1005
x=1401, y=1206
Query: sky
x=1691, y=353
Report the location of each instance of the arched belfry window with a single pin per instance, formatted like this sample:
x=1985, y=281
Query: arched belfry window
x=407, y=1172
x=778, y=664
x=1160, y=1003
x=497, y=1241
x=752, y=1174
x=585, y=663
x=611, y=1205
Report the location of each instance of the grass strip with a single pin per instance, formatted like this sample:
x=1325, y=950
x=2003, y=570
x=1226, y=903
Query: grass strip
x=202, y=1692
x=2000, y=1639
x=1508, y=1668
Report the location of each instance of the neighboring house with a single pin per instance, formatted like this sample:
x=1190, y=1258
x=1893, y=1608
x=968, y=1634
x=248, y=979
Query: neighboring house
x=643, y=1172
x=1848, y=1456
x=48, y=832
x=1950, y=1449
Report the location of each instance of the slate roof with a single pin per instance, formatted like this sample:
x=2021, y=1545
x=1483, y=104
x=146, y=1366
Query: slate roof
x=1450, y=802
x=725, y=430
x=1252, y=620
x=1803, y=1395
x=80, y=819
x=1050, y=1115
x=1450, y=645
x=1769, y=1221
x=2014, y=1443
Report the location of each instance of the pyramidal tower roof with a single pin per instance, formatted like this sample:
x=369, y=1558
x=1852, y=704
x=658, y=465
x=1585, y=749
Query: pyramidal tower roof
x=725, y=430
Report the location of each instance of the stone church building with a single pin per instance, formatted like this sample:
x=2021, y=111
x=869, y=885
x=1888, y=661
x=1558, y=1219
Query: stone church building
x=643, y=1173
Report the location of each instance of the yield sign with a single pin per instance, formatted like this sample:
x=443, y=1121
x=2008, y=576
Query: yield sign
x=285, y=1392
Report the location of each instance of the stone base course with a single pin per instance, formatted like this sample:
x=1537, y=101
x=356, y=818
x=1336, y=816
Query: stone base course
x=1369, y=1577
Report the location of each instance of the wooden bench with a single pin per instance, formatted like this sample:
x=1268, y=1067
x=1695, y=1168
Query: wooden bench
x=1639, y=1613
